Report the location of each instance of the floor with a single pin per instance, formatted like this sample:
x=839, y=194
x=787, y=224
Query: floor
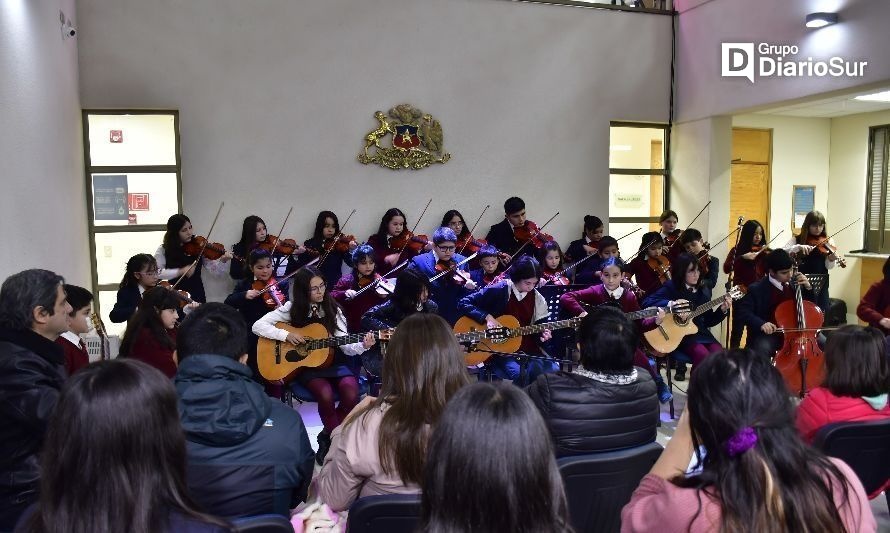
x=309, y=412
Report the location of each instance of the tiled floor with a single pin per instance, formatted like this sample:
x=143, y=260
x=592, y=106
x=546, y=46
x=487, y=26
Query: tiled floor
x=309, y=412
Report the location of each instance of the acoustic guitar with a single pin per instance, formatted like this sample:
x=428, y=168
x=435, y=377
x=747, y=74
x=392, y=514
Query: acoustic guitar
x=667, y=337
x=281, y=360
x=99, y=326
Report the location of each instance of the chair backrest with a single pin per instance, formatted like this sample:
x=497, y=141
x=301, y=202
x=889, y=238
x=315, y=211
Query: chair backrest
x=267, y=523
x=392, y=513
x=865, y=446
x=598, y=485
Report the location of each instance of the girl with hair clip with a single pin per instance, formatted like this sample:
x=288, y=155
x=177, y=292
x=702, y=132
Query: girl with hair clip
x=876, y=302
x=694, y=244
x=118, y=458
x=174, y=263
x=588, y=244
x=650, y=268
x=551, y=259
x=311, y=303
x=336, y=263
x=745, y=262
x=813, y=260
x=354, y=307
x=411, y=296
x=151, y=332
x=382, y=446
x=753, y=472
x=856, y=386
x=251, y=304
x=392, y=225
x=142, y=274
x=686, y=285
x=462, y=484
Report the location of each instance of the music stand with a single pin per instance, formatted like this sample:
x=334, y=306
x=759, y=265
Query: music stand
x=817, y=283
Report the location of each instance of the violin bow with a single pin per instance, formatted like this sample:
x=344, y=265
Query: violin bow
x=638, y=252
x=473, y=228
x=414, y=228
x=278, y=237
x=540, y=229
x=585, y=258
x=377, y=281
x=201, y=253
x=690, y=225
x=721, y=241
x=825, y=240
x=454, y=268
x=776, y=236
x=337, y=236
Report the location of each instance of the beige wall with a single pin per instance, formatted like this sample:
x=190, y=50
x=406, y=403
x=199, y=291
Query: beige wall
x=43, y=205
x=276, y=96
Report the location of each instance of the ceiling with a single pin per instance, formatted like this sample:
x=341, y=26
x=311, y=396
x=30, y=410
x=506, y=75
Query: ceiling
x=836, y=106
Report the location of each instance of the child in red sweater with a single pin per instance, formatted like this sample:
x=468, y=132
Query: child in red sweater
x=151, y=332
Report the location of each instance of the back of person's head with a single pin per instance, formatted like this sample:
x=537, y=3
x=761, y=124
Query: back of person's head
x=491, y=467
x=213, y=328
x=423, y=368
x=856, y=362
x=22, y=293
x=778, y=259
x=117, y=457
x=147, y=316
x=607, y=341
x=514, y=204
x=526, y=267
x=78, y=297
x=592, y=222
x=756, y=465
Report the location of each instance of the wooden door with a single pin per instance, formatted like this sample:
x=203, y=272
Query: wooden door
x=750, y=178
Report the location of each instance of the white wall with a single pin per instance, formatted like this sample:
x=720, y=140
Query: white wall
x=276, y=97
x=43, y=205
x=847, y=182
x=861, y=34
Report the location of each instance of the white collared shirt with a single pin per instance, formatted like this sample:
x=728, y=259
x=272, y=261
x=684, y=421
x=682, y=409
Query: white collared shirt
x=776, y=283
x=616, y=294
x=71, y=337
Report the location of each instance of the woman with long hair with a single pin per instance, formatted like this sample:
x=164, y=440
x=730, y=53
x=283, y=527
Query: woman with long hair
x=382, y=447
x=491, y=467
x=151, y=332
x=386, y=256
x=813, y=260
x=115, y=457
x=753, y=471
x=747, y=263
x=332, y=264
x=174, y=263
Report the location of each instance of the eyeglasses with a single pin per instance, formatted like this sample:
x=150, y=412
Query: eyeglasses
x=318, y=288
x=446, y=248
x=156, y=272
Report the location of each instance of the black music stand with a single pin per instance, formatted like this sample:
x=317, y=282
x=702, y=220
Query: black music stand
x=817, y=283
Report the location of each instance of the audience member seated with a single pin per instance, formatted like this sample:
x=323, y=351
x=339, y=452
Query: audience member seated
x=75, y=350
x=33, y=313
x=381, y=447
x=248, y=453
x=151, y=331
x=857, y=382
x=490, y=467
x=116, y=458
x=606, y=403
x=755, y=472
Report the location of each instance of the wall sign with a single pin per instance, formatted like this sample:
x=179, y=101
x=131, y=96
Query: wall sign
x=803, y=200
x=110, y=197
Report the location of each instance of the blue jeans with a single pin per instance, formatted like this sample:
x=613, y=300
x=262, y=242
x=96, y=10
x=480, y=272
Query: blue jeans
x=509, y=368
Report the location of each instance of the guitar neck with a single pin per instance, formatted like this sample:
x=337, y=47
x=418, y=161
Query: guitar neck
x=704, y=308
x=333, y=342
x=642, y=313
x=537, y=328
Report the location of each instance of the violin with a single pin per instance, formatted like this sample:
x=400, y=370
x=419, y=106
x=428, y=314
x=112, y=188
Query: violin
x=185, y=297
x=212, y=250
x=469, y=244
x=273, y=298
x=800, y=360
x=633, y=287
x=282, y=246
x=381, y=285
x=824, y=249
x=672, y=237
x=407, y=240
x=339, y=245
x=661, y=265
x=458, y=277
x=529, y=232
x=704, y=260
x=554, y=276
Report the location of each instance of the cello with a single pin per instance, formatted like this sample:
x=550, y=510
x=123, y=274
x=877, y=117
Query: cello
x=800, y=360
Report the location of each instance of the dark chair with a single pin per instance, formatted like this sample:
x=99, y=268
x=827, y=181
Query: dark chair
x=598, y=485
x=266, y=523
x=865, y=446
x=391, y=513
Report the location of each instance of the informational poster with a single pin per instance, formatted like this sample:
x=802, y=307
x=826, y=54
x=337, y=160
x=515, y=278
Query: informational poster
x=110, y=197
x=803, y=200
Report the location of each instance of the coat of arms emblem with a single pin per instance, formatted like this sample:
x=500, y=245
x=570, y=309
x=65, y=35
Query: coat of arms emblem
x=416, y=140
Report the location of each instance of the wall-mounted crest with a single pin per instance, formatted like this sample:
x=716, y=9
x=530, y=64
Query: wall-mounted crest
x=416, y=140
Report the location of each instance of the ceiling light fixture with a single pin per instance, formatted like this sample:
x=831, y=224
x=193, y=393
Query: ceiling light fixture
x=820, y=20
x=883, y=96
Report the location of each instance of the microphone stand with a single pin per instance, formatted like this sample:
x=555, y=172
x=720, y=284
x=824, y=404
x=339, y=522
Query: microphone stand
x=735, y=251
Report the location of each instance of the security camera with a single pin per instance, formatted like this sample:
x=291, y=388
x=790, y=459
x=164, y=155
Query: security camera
x=68, y=30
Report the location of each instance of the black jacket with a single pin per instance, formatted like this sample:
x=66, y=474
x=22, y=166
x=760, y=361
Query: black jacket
x=32, y=371
x=248, y=454
x=587, y=416
x=501, y=237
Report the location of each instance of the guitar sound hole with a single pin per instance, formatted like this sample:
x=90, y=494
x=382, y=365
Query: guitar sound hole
x=296, y=354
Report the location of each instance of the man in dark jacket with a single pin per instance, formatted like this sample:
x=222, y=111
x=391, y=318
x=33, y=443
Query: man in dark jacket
x=33, y=313
x=248, y=454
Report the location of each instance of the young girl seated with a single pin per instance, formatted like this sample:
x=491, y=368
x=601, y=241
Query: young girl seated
x=551, y=259
x=346, y=289
x=141, y=275
x=151, y=332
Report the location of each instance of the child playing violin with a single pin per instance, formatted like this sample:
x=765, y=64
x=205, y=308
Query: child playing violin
x=591, y=274
x=650, y=268
x=174, y=262
x=447, y=289
x=253, y=235
x=252, y=305
x=350, y=284
x=577, y=303
x=551, y=259
x=151, y=332
x=510, y=234
x=333, y=256
x=391, y=242
x=816, y=252
x=466, y=243
x=694, y=244
x=489, y=266
x=670, y=233
x=141, y=275
x=588, y=244
x=745, y=262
